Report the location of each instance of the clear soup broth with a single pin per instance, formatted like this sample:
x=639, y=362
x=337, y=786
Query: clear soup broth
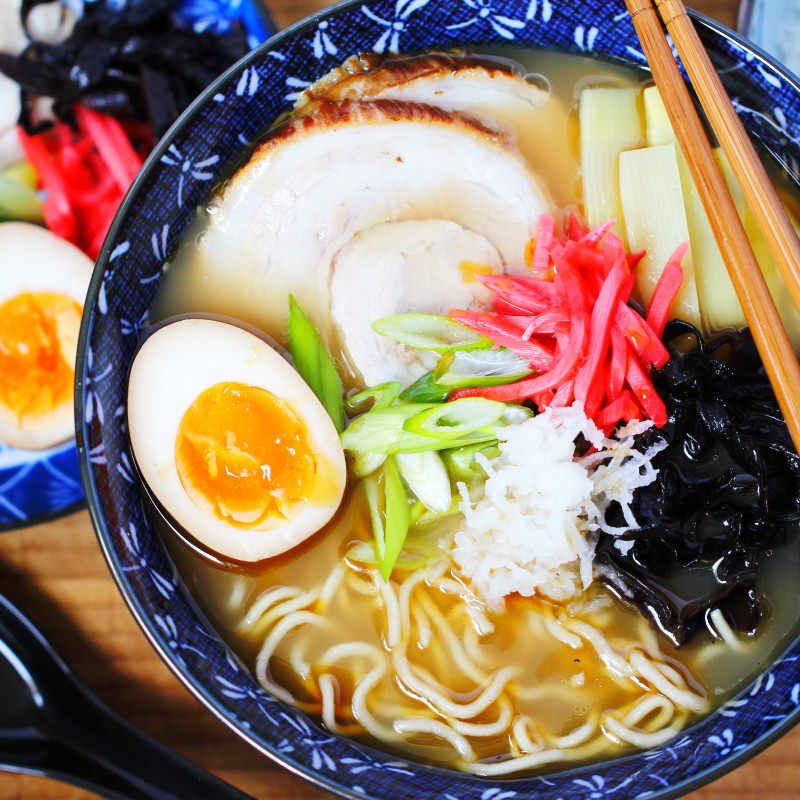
x=547, y=685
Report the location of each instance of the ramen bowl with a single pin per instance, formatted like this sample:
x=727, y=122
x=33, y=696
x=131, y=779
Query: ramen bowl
x=182, y=171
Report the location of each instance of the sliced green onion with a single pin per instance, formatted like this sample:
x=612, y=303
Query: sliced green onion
x=19, y=201
x=397, y=516
x=383, y=431
x=430, y=332
x=22, y=173
x=454, y=420
x=376, y=431
x=427, y=518
x=426, y=477
x=424, y=444
x=424, y=390
x=314, y=363
x=461, y=462
x=372, y=492
x=417, y=510
x=365, y=463
x=381, y=396
x=463, y=369
x=515, y=414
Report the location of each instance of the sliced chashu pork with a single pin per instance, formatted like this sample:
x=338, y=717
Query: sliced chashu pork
x=322, y=179
x=425, y=266
x=491, y=90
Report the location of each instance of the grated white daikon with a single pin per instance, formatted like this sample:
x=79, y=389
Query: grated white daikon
x=532, y=526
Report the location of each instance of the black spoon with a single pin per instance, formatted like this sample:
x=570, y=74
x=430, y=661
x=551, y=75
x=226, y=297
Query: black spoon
x=51, y=724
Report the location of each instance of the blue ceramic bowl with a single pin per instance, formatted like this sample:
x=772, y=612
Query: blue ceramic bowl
x=161, y=204
x=38, y=485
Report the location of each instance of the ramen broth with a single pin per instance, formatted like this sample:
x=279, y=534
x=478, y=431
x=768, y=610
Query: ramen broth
x=562, y=683
x=566, y=686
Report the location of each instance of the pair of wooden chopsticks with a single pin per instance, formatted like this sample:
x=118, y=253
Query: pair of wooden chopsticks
x=770, y=337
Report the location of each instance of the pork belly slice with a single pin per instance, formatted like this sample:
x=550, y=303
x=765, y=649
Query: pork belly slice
x=491, y=90
x=425, y=266
x=320, y=180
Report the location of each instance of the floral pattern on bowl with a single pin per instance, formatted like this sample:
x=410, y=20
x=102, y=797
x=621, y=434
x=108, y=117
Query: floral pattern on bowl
x=37, y=485
x=179, y=175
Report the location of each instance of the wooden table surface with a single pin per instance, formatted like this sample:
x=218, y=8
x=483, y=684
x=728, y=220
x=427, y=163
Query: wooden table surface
x=56, y=574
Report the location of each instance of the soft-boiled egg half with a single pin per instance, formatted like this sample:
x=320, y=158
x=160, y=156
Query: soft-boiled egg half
x=43, y=284
x=231, y=440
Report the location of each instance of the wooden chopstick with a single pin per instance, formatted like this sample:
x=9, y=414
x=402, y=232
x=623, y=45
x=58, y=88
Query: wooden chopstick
x=759, y=309
x=769, y=212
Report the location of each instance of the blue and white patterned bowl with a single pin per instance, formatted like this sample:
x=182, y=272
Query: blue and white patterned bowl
x=37, y=485
x=156, y=212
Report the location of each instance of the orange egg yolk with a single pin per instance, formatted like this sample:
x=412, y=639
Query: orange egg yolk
x=38, y=341
x=245, y=453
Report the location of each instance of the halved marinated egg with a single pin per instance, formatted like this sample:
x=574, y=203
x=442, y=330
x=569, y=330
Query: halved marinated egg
x=231, y=440
x=43, y=283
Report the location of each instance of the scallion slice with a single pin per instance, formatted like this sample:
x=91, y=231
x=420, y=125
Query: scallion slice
x=372, y=492
x=397, y=516
x=461, y=462
x=426, y=477
x=454, y=420
x=379, y=430
x=383, y=431
x=18, y=201
x=365, y=462
x=424, y=390
x=314, y=363
x=430, y=332
x=382, y=396
x=467, y=368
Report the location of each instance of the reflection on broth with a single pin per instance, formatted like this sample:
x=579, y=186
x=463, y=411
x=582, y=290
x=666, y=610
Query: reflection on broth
x=484, y=650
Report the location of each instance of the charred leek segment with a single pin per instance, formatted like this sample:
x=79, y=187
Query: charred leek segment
x=715, y=292
x=655, y=220
x=314, y=363
x=430, y=332
x=610, y=122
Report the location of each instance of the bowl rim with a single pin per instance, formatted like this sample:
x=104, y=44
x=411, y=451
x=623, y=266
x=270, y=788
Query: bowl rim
x=723, y=766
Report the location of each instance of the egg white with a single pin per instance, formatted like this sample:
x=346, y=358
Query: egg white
x=34, y=260
x=177, y=363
